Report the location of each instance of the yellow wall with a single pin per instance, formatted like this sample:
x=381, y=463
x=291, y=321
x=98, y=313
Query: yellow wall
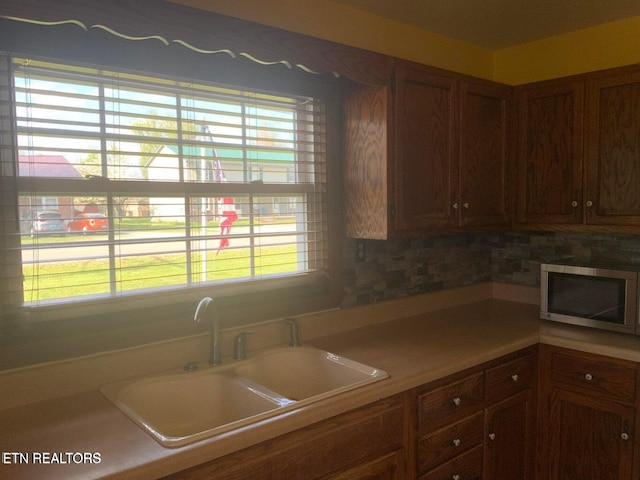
x=336, y=22
x=605, y=46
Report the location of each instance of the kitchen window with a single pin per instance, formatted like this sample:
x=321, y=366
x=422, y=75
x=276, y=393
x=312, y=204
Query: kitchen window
x=167, y=188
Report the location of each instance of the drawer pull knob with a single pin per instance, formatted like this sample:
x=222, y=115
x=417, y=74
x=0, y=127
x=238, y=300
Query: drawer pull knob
x=492, y=436
x=624, y=436
x=515, y=377
x=588, y=377
x=457, y=442
x=457, y=401
x=456, y=477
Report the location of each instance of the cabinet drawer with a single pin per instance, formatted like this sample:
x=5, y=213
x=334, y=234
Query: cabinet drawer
x=443, y=445
x=456, y=400
x=467, y=466
x=594, y=375
x=510, y=378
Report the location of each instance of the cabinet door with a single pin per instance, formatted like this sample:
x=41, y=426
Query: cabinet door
x=389, y=467
x=509, y=442
x=550, y=154
x=335, y=446
x=613, y=150
x=425, y=161
x=589, y=438
x=483, y=154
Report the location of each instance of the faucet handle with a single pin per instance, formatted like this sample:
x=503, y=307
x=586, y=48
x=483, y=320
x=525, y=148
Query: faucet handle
x=240, y=346
x=293, y=325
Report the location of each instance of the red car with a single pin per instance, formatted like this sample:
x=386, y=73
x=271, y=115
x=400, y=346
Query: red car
x=88, y=222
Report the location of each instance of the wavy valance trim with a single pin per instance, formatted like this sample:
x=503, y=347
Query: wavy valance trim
x=166, y=42
x=206, y=32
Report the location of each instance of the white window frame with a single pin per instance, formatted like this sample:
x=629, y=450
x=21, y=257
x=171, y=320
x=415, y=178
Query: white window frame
x=312, y=189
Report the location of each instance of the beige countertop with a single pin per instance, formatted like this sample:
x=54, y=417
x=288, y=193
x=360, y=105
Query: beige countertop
x=413, y=350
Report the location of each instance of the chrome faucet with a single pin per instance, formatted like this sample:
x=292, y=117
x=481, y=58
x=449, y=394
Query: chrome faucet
x=293, y=331
x=201, y=311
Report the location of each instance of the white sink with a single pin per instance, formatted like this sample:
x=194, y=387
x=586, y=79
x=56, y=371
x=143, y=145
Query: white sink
x=302, y=373
x=181, y=407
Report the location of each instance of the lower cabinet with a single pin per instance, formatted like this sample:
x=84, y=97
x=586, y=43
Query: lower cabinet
x=510, y=438
x=588, y=416
x=366, y=443
x=480, y=426
x=491, y=422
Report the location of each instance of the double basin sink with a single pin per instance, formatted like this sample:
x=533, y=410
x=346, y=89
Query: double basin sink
x=178, y=408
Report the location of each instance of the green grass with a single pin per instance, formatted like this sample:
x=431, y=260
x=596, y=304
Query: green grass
x=91, y=277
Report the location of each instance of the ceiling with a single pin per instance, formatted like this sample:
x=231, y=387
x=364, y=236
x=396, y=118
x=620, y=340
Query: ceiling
x=497, y=24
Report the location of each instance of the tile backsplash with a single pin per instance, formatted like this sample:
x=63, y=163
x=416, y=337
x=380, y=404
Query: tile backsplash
x=398, y=268
x=394, y=269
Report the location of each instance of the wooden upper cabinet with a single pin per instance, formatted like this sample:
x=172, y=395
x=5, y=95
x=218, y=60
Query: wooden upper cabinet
x=425, y=166
x=425, y=155
x=483, y=198
x=613, y=150
x=550, y=124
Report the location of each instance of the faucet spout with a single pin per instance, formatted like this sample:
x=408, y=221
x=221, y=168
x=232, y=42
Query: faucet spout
x=199, y=316
x=201, y=309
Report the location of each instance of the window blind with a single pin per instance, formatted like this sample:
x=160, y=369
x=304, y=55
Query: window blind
x=129, y=184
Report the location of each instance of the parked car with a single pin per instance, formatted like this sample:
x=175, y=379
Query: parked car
x=88, y=222
x=39, y=223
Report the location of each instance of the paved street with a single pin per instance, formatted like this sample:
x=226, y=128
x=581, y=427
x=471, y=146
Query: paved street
x=145, y=243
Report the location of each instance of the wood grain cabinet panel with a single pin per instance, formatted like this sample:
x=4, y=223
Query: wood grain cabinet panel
x=451, y=402
x=494, y=439
x=444, y=444
x=426, y=155
x=365, y=173
x=388, y=467
x=550, y=153
x=590, y=438
x=613, y=150
x=350, y=442
x=606, y=378
x=588, y=416
x=511, y=377
x=482, y=194
x=510, y=448
x=467, y=466
x=579, y=152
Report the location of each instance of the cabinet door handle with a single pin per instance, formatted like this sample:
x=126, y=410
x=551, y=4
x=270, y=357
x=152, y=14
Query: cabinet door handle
x=455, y=206
x=492, y=436
x=588, y=377
x=456, y=442
x=515, y=377
x=457, y=401
x=574, y=204
x=589, y=203
x=456, y=477
x=465, y=204
x=624, y=436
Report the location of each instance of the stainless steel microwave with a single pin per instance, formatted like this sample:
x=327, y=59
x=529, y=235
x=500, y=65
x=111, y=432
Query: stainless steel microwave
x=603, y=297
